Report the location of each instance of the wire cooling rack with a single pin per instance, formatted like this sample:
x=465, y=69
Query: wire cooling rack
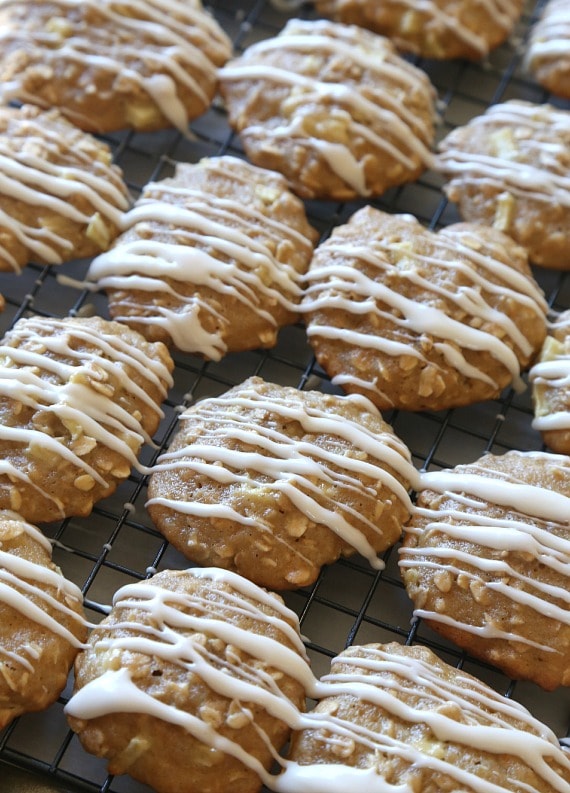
x=350, y=602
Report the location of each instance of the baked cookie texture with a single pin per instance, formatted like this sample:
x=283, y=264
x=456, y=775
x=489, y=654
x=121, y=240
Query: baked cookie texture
x=333, y=107
x=210, y=260
x=109, y=65
x=547, y=56
x=274, y=483
x=420, y=320
x=486, y=558
x=508, y=168
x=400, y=718
x=440, y=29
x=188, y=684
x=61, y=196
x=78, y=398
x=550, y=382
x=42, y=623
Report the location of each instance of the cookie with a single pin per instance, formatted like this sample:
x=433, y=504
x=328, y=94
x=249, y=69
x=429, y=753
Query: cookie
x=210, y=260
x=109, y=65
x=274, y=483
x=547, y=57
x=440, y=29
x=419, y=320
x=400, y=718
x=189, y=682
x=332, y=107
x=508, y=168
x=42, y=623
x=550, y=380
x=61, y=197
x=78, y=398
x=486, y=559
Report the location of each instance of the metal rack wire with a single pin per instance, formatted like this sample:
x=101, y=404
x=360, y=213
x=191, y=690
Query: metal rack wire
x=350, y=603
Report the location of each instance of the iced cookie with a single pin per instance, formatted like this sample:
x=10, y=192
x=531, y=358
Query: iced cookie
x=61, y=197
x=508, y=168
x=332, y=107
x=42, y=624
x=550, y=379
x=441, y=29
x=399, y=718
x=109, y=65
x=273, y=482
x=548, y=49
x=188, y=684
x=210, y=260
x=78, y=398
x=486, y=561
x=419, y=320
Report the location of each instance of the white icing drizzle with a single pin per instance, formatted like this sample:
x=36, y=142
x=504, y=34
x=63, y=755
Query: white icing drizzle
x=65, y=395
x=32, y=179
x=535, y=514
x=384, y=112
x=332, y=283
x=490, y=723
x=21, y=579
x=241, y=264
x=298, y=469
x=554, y=374
x=550, y=37
x=176, y=38
x=528, y=169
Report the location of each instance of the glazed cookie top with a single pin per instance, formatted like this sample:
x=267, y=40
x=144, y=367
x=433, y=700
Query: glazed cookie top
x=69, y=387
x=215, y=256
x=332, y=106
x=548, y=52
x=487, y=558
x=60, y=195
x=107, y=65
x=422, y=320
x=279, y=466
x=550, y=379
x=432, y=28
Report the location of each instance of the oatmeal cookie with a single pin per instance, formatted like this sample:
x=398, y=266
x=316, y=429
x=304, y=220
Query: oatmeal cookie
x=486, y=561
x=42, y=623
x=333, y=107
x=210, y=260
x=61, y=197
x=112, y=64
x=273, y=482
x=189, y=683
x=400, y=718
x=508, y=168
x=419, y=320
x=548, y=51
x=550, y=379
x=441, y=29
x=78, y=398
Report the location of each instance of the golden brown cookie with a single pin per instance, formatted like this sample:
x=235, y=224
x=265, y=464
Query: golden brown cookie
x=486, y=561
x=399, y=718
x=61, y=197
x=78, y=398
x=110, y=65
x=548, y=50
x=42, y=624
x=210, y=261
x=333, y=107
x=550, y=379
x=189, y=683
x=273, y=482
x=508, y=168
x=441, y=29
x=419, y=320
